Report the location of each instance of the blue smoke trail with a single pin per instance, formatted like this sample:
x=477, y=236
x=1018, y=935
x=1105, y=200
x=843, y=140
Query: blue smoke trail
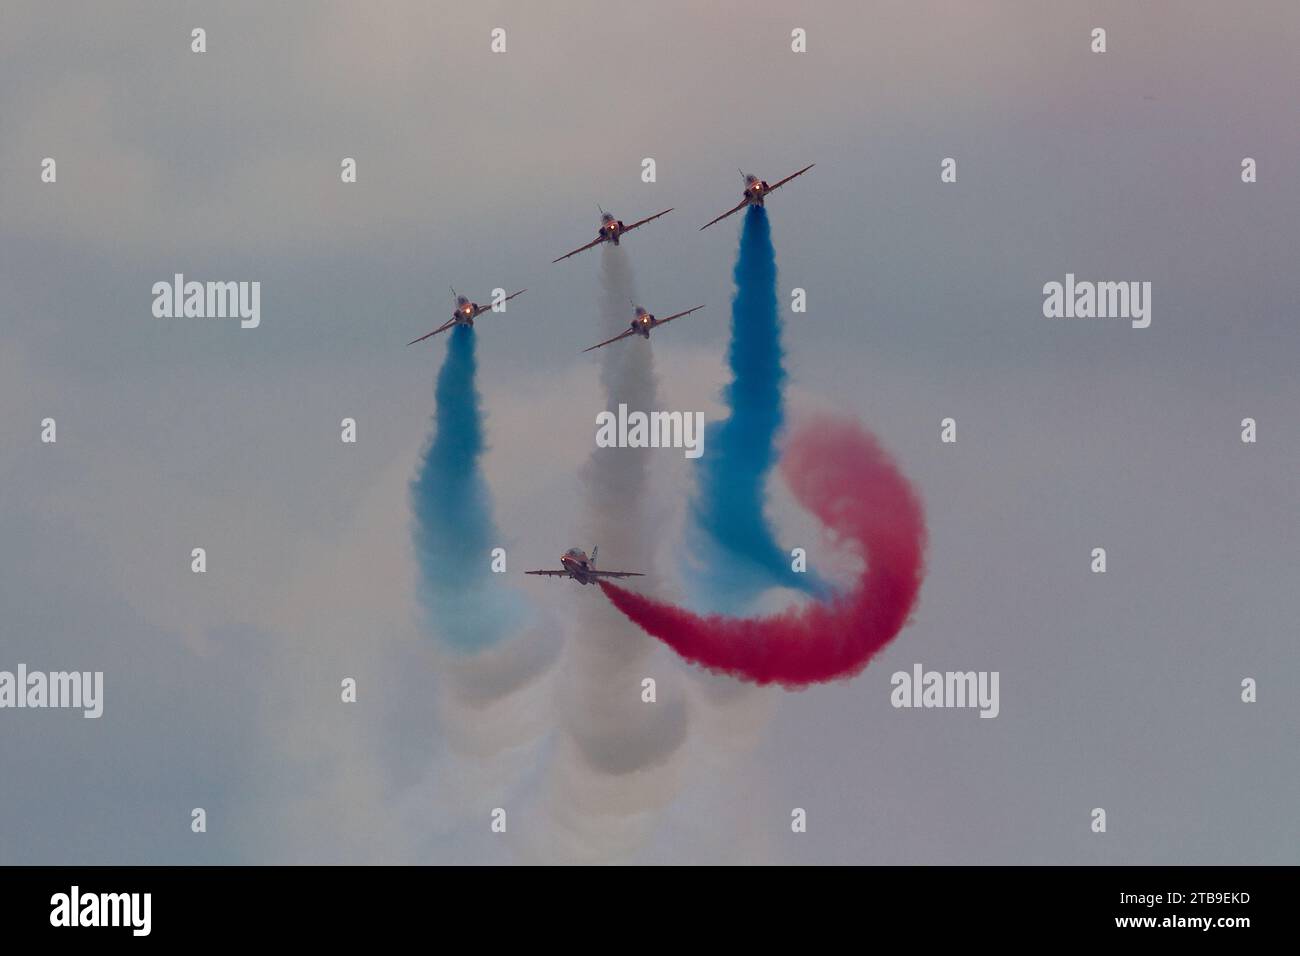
x=739, y=554
x=454, y=534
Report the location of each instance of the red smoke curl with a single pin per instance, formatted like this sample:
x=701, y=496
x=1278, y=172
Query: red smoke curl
x=839, y=472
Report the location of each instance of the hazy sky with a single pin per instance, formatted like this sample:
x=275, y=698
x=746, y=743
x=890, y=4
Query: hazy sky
x=1119, y=690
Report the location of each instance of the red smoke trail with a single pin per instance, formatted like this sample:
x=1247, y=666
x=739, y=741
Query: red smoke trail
x=839, y=472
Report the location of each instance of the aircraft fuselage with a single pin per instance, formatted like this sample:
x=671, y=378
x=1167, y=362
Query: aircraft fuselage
x=756, y=191
x=611, y=229
x=466, y=314
x=578, y=565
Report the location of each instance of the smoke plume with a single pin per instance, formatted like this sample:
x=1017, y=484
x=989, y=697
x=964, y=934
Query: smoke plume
x=840, y=473
x=735, y=547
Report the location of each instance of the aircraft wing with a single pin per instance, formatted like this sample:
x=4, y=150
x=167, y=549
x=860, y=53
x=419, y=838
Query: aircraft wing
x=615, y=574
x=442, y=328
x=742, y=205
x=513, y=294
x=678, y=315
x=557, y=574
x=595, y=242
x=622, y=335
x=642, y=222
x=782, y=182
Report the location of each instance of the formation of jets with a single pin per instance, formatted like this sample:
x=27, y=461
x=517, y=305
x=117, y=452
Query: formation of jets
x=575, y=564
x=641, y=325
x=611, y=230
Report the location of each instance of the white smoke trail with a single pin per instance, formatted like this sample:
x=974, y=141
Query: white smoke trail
x=618, y=759
x=438, y=737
